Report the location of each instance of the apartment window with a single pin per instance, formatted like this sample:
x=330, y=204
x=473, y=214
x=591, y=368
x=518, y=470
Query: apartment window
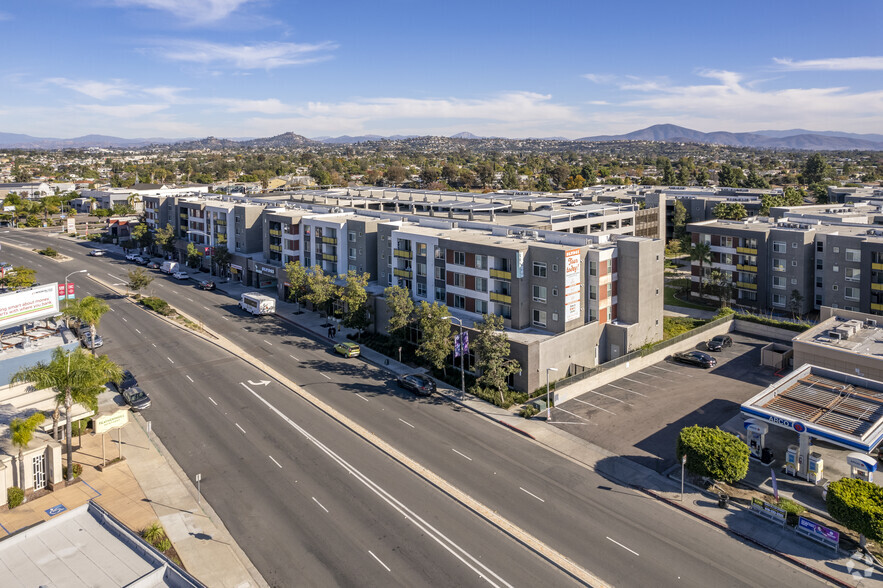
x=793, y=281
x=439, y=252
x=853, y=255
x=352, y=236
x=539, y=318
x=539, y=269
x=481, y=306
x=852, y=274
x=439, y=293
x=481, y=262
x=820, y=246
x=439, y=273
x=851, y=293
x=820, y=264
x=593, y=268
x=504, y=310
x=554, y=291
x=539, y=293
x=727, y=258
x=421, y=290
x=779, y=282
x=421, y=248
x=836, y=249
x=820, y=283
x=779, y=300
x=819, y=300
x=554, y=267
x=780, y=247
x=459, y=280
x=459, y=258
x=793, y=245
x=778, y=265
x=352, y=252
x=703, y=238
x=750, y=243
x=421, y=269
x=555, y=317
x=481, y=284
x=593, y=292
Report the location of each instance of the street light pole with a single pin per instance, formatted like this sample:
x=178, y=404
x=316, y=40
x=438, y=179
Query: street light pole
x=548, y=405
x=462, y=356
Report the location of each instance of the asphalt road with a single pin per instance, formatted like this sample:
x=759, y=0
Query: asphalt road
x=616, y=533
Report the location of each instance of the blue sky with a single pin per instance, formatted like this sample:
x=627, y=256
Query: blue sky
x=237, y=68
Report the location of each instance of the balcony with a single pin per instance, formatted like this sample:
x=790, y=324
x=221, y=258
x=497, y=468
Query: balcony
x=403, y=253
x=330, y=240
x=878, y=287
x=329, y=257
x=746, y=250
x=746, y=286
x=401, y=273
x=746, y=268
x=501, y=274
x=877, y=266
x=875, y=306
x=276, y=232
x=500, y=297
x=221, y=222
x=276, y=248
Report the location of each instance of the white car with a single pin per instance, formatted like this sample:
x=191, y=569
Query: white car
x=132, y=256
x=98, y=253
x=181, y=276
x=574, y=202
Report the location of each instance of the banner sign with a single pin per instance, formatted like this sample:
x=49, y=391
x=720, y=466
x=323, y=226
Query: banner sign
x=29, y=304
x=572, y=285
x=817, y=532
x=461, y=342
x=767, y=510
x=106, y=422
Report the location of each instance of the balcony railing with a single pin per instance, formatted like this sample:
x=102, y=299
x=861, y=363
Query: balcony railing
x=276, y=232
x=746, y=250
x=501, y=274
x=500, y=297
x=877, y=266
x=402, y=273
x=746, y=268
x=329, y=257
x=875, y=306
x=403, y=253
x=746, y=286
x=878, y=287
x=330, y=240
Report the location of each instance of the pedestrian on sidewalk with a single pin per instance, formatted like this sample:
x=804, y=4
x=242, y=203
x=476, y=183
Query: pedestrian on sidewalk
x=330, y=335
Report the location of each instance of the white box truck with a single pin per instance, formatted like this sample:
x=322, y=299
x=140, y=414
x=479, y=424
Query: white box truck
x=170, y=267
x=257, y=303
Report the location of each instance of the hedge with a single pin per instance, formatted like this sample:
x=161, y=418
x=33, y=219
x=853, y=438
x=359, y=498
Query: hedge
x=771, y=322
x=858, y=505
x=14, y=496
x=713, y=453
x=157, y=305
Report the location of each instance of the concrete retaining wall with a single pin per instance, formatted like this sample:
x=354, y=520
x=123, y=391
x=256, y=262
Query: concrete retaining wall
x=764, y=331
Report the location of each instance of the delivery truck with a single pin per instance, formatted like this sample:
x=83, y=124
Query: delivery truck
x=170, y=267
x=257, y=303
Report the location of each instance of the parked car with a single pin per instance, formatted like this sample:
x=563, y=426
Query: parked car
x=132, y=256
x=207, y=285
x=574, y=202
x=98, y=253
x=417, y=383
x=697, y=358
x=127, y=382
x=719, y=342
x=181, y=275
x=87, y=340
x=142, y=261
x=153, y=265
x=136, y=398
x=348, y=349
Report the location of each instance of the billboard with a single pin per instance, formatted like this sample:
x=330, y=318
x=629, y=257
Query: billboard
x=572, y=284
x=31, y=304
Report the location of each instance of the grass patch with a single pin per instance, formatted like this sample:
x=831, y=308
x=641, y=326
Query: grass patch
x=157, y=305
x=48, y=252
x=671, y=300
x=672, y=326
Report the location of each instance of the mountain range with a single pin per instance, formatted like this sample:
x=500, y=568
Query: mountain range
x=797, y=139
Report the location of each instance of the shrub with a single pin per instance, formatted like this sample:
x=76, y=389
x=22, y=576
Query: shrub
x=713, y=453
x=79, y=427
x=858, y=505
x=672, y=326
x=154, y=534
x=528, y=410
x=163, y=545
x=78, y=469
x=771, y=322
x=48, y=252
x=14, y=496
x=157, y=305
x=793, y=509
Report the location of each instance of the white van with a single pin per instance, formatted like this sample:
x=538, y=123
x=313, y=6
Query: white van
x=257, y=303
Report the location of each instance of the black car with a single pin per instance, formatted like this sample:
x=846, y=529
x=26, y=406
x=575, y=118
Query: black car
x=127, y=382
x=719, y=342
x=417, y=383
x=207, y=285
x=695, y=358
x=136, y=398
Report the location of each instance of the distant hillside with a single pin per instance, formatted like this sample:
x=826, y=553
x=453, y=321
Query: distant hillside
x=17, y=141
x=284, y=140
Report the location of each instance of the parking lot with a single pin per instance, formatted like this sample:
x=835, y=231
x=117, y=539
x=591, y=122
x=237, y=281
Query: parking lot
x=640, y=415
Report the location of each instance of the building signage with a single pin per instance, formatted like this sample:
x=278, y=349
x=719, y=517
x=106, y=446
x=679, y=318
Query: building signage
x=817, y=532
x=572, y=284
x=66, y=291
x=28, y=305
x=71, y=225
x=768, y=511
x=236, y=267
x=107, y=422
x=519, y=264
x=265, y=270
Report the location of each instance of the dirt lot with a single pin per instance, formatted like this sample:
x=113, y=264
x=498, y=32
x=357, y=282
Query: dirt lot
x=639, y=416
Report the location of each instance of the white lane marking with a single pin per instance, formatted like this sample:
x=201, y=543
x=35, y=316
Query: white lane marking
x=274, y=461
x=594, y=406
x=627, y=390
x=137, y=331
x=154, y=344
x=606, y=396
x=267, y=342
x=170, y=359
x=189, y=378
x=114, y=277
x=38, y=264
x=293, y=357
x=649, y=375
x=588, y=422
x=461, y=454
x=188, y=298
x=206, y=307
x=531, y=493
x=447, y=544
x=213, y=400
x=378, y=560
x=124, y=319
x=112, y=310
x=160, y=285
x=362, y=397
x=240, y=428
x=409, y=424
x=623, y=546
x=225, y=318
x=174, y=291
x=319, y=503
x=656, y=367
x=637, y=381
x=324, y=376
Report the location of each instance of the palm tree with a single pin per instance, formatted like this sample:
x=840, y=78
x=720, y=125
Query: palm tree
x=75, y=376
x=701, y=252
x=89, y=310
x=22, y=431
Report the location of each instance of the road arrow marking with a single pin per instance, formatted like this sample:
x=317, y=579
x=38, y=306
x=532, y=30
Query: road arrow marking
x=261, y=383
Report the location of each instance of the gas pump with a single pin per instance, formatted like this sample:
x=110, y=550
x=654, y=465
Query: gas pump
x=791, y=466
x=756, y=436
x=816, y=467
x=862, y=467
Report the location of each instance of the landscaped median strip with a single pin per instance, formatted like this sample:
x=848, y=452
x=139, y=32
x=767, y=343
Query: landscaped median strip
x=516, y=532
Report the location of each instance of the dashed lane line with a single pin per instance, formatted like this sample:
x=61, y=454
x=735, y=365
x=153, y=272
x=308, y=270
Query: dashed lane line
x=623, y=546
x=531, y=494
x=274, y=461
x=461, y=454
x=240, y=428
x=378, y=561
x=319, y=503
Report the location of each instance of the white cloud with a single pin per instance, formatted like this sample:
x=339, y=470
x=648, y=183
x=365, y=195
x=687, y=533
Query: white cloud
x=599, y=78
x=93, y=88
x=258, y=56
x=197, y=11
x=268, y=106
x=124, y=110
x=833, y=64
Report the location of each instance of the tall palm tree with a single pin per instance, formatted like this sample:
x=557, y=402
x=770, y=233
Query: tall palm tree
x=89, y=310
x=75, y=376
x=701, y=252
x=22, y=431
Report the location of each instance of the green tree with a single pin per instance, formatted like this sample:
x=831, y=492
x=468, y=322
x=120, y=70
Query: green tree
x=298, y=281
x=89, y=311
x=355, y=299
x=795, y=303
x=701, y=252
x=401, y=307
x=576, y=182
x=75, y=376
x=721, y=286
x=194, y=255
x=139, y=279
x=858, y=505
x=165, y=238
x=222, y=258
x=679, y=220
x=713, y=453
x=820, y=193
x=491, y=347
x=730, y=210
x=793, y=196
x=21, y=431
x=141, y=235
x=395, y=174
x=755, y=180
x=436, y=342
x=321, y=288
x=19, y=277
x=815, y=169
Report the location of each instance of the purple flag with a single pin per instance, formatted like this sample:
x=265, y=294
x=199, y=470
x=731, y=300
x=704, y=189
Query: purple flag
x=466, y=342
x=456, y=345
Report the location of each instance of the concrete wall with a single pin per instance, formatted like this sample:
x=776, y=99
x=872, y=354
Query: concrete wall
x=640, y=289
x=764, y=331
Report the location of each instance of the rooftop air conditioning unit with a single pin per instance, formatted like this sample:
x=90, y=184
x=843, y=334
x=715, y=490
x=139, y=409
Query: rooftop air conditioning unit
x=834, y=335
x=871, y=323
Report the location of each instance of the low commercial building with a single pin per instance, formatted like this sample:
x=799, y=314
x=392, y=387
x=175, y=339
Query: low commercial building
x=26, y=189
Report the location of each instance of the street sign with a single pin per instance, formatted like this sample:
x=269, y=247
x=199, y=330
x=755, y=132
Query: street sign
x=198, y=477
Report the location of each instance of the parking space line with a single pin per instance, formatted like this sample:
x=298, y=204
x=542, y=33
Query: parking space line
x=588, y=422
x=606, y=396
x=638, y=382
x=593, y=406
x=656, y=367
x=627, y=390
x=649, y=375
